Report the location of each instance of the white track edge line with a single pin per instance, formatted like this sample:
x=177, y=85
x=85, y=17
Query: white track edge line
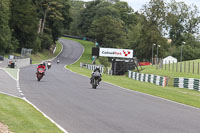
x=9, y=94
x=61, y=128
x=9, y=74
x=77, y=59
x=59, y=52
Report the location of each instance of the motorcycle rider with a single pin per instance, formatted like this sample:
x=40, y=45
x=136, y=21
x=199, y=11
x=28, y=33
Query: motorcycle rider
x=49, y=64
x=97, y=69
x=41, y=65
x=58, y=60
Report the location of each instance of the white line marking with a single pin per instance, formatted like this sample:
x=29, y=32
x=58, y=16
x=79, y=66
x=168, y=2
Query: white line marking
x=24, y=98
x=77, y=59
x=9, y=74
x=18, y=76
x=59, y=52
x=62, y=129
x=9, y=94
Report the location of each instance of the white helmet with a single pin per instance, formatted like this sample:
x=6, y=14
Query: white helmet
x=97, y=67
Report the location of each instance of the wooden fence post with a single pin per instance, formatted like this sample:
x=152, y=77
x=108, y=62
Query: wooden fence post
x=189, y=67
x=193, y=67
x=181, y=67
x=184, y=67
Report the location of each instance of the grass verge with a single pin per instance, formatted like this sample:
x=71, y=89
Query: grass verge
x=21, y=117
x=185, y=96
x=46, y=54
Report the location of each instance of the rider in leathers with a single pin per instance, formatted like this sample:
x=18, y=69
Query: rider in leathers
x=41, y=65
x=97, y=69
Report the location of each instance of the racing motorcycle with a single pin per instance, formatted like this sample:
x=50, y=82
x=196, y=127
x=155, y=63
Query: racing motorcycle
x=40, y=73
x=95, y=80
x=49, y=65
x=58, y=61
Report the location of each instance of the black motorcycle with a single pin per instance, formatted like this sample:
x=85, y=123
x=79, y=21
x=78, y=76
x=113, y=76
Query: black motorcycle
x=95, y=80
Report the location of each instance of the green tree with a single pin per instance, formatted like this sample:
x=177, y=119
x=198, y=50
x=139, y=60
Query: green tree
x=87, y=16
x=5, y=34
x=182, y=20
x=24, y=23
x=54, y=18
x=76, y=8
x=125, y=11
x=155, y=12
x=143, y=35
x=109, y=32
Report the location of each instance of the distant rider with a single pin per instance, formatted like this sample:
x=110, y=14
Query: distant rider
x=97, y=69
x=49, y=64
x=58, y=60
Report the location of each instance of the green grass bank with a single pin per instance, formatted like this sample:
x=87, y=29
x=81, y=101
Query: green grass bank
x=21, y=117
x=45, y=55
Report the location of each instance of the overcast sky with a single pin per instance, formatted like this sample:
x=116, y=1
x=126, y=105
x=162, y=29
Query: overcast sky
x=137, y=4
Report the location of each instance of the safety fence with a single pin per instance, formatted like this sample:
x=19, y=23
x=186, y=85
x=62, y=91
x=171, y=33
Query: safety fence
x=154, y=79
x=183, y=67
x=91, y=67
x=189, y=83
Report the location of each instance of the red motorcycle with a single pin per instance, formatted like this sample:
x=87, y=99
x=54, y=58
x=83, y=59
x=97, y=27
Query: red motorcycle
x=40, y=73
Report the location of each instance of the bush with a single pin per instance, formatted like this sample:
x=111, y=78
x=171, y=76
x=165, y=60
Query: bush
x=104, y=61
x=46, y=42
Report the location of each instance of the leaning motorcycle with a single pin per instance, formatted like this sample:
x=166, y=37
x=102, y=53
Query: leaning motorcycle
x=40, y=73
x=95, y=79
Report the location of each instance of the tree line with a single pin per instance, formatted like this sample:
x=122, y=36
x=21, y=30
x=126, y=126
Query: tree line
x=37, y=24
x=34, y=24
x=113, y=23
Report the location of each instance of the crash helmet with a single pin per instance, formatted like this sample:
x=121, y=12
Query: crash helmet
x=97, y=67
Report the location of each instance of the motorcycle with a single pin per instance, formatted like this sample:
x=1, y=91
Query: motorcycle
x=58, y=61
x=95, y=80
x=40, y=73
x=49, y=65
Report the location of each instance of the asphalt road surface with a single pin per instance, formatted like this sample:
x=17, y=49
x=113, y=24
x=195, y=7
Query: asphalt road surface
x=8, y=85
x=70, y=101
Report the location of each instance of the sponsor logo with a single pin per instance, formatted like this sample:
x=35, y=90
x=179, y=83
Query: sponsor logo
x=109, y=52
x=114, y=53
x=126, y=53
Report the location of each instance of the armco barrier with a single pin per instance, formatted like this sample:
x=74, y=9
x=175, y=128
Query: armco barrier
x=154, y=79
x=190, y=83
x=22, y=62
x=91, y=67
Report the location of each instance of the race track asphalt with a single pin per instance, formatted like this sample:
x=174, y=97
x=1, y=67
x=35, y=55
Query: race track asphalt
x=69, y=100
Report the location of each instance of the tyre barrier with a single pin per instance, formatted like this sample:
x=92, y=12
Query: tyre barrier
x=189, y=83
x=154, y=79
x=91, y=67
